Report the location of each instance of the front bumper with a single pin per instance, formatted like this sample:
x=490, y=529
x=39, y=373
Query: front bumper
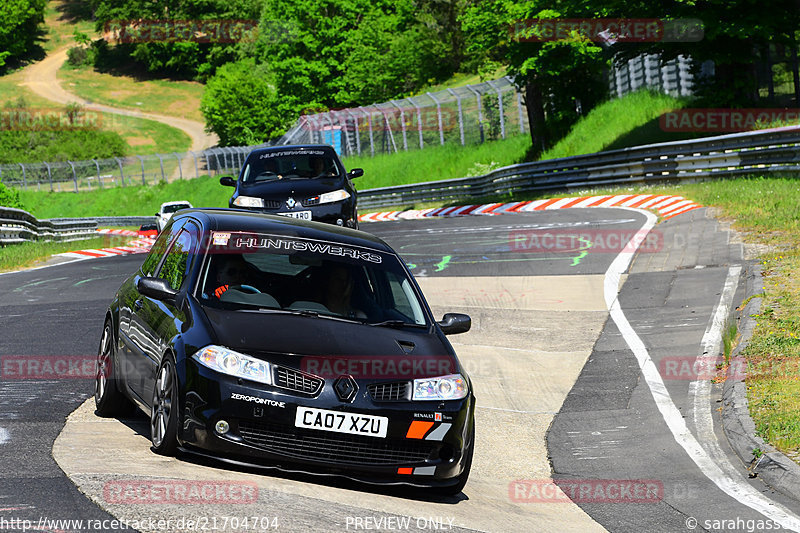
x=426, y=442
x=328, y=213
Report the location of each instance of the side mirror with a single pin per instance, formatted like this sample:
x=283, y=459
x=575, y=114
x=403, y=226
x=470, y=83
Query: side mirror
x=156, y=288
x=453, y=323
x=227, y=181
x=355, y=173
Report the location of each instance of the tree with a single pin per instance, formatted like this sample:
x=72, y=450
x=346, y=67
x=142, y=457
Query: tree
x=734, y=37
x=19, y=24
x=169, y=41
x=241, y=105
x=555, y=76
x=354, y=52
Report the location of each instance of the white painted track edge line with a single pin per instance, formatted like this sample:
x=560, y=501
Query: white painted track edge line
x=740, y=491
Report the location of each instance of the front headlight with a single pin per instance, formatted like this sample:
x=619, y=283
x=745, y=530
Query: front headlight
x=248, y=201
x=234, y=364
x=329, y=197
x=452, y=387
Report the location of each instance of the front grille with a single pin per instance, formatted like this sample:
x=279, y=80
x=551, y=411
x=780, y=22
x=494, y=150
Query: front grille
x=333, y=447
x=294, y=380
x=308, y=202
x=389, y=392
x=272, y=204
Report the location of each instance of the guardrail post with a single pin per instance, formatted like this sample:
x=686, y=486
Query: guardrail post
x=480, y=110
x=519, y=111
x=74, y=175
x=161, y=162
x=358, y=132
x=49, y=176
x=141, y=160
x=500, y=109
x=196, y=168
x=99, y=179
x=402, y=124
x=121, y=173
x=460, y=115
x=180, y=170
x=24, y=180
x=439, y=114
x=216, y=156
x=388, y=128
x=419, y=122
x=371, y=138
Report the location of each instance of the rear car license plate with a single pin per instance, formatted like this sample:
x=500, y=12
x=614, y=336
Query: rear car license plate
x=341, y=422
x=305, y=215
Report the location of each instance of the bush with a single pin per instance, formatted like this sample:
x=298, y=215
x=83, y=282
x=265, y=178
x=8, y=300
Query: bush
x=34, y=146
x=9, y=197
x=78, y=56
x=243, y=107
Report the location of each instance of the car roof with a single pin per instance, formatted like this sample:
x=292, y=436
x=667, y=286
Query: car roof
x=176, y=202
x=245, y=220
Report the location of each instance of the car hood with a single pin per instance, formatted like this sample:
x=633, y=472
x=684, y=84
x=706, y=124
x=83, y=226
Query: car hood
x=301, y=187
x=301, y=341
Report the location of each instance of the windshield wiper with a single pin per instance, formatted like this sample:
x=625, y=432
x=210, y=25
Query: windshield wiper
x=397, y=324
x=308, y=313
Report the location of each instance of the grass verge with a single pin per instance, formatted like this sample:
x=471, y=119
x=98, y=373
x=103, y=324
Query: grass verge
x=123, y=201
x=438, y=162
x=162, y=97
x=30, y=254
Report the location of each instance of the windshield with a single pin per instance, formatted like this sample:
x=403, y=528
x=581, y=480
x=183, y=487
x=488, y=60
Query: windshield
x=278, y=273
x=288, y=164
x=174, y=207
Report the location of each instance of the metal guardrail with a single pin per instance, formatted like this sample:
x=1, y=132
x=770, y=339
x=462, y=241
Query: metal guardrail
x=111, y=221
x=766, y=151
x=18, y=226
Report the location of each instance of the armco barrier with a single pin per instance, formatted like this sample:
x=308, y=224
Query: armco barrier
x=765, y=151
x=18, y=226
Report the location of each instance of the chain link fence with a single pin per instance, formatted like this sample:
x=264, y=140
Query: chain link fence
x=466, y=115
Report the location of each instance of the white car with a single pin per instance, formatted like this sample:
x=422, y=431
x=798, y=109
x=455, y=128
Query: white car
x=167, y=210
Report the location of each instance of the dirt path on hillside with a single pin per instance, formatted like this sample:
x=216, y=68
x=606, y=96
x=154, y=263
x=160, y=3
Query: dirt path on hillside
x=42, y=78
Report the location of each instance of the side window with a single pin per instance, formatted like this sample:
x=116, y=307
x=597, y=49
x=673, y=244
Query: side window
x=176, y=264
x=156, y=253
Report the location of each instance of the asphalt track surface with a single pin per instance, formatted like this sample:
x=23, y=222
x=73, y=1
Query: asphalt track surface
x=608, y=427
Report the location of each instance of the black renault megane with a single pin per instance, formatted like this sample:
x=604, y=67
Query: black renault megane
x=299, y=181
x=267, y=341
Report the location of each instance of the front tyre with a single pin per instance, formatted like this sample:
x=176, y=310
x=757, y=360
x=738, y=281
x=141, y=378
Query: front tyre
x=164, y=415
x=108, y=399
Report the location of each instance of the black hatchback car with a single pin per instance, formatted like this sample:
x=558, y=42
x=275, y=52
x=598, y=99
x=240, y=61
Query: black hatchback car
x=267, y=341
x=307, y=182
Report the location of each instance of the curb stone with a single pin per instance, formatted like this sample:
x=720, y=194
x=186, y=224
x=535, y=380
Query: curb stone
x=773, y=467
